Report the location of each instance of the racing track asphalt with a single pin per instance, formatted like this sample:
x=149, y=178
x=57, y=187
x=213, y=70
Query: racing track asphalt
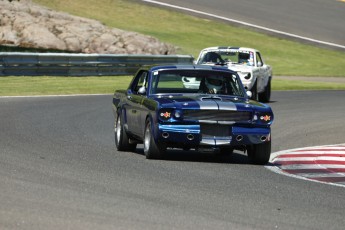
x=313, y=19
x=59, y=170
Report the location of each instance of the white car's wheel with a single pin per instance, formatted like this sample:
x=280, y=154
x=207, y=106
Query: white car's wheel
x=266, y=95
x=254, y=91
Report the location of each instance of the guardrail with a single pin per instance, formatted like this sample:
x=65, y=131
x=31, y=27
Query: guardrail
x=66, y=64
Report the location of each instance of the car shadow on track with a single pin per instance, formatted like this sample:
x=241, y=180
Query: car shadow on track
x=271, y=102
x=194, y=156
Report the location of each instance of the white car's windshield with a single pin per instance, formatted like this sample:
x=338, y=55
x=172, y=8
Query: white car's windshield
x=223, y=57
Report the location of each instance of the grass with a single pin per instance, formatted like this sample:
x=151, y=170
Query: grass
x=23, y=86
x=190, y=34
x=20, y=86
x=279, y=84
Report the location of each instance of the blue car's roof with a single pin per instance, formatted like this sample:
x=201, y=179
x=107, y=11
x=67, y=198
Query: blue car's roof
x=196, y=67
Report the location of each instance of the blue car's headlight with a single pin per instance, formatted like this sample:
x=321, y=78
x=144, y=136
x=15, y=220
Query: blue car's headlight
x=167, y=114
x=263, y=118
x=177, y=114
x=266, y=118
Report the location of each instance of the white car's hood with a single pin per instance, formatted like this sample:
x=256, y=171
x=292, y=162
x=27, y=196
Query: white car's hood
x=240, y=68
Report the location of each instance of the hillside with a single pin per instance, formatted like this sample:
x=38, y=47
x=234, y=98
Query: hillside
x=191, y=34
x=27, y=25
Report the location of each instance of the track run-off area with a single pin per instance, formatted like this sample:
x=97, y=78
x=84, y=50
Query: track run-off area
x=325, y=164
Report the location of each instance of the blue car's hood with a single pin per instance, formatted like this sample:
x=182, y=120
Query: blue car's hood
x=208, y=102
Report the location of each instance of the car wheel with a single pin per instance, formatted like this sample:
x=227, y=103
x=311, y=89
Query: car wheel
x=152, y=149
x=226, y=151
x=254, y=91
x=266, y=95
x=121, y=138
x=260, y=153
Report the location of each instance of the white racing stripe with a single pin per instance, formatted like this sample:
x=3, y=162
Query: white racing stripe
x=226, y=105
x=207, y=105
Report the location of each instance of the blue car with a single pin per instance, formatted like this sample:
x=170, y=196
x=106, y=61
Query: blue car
x=202, y=108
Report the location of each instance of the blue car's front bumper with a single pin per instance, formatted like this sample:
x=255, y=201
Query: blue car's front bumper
x=211, y=135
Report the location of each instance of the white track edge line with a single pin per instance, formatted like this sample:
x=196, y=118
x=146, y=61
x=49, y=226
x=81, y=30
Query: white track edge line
x=246, y=24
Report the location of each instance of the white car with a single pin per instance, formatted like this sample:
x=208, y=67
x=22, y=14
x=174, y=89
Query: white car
x=256, y=76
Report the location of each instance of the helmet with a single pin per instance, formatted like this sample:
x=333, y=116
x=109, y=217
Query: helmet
x=214, y=83
x=212, y=57
x=243, y=57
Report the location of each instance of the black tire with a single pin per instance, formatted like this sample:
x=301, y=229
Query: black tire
x=266, y=95
x=121, y=138
x=254, y=91
x=260, y=153
x=226, y=151
x=152, y=149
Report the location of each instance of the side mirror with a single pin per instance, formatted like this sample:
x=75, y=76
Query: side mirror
x=142, y=90
x=259, y=64
x=249, y=94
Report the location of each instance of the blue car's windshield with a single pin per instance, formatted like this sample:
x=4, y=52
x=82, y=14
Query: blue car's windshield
x=196, y=81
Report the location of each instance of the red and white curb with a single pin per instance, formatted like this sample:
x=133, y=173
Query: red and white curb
x=324, y=164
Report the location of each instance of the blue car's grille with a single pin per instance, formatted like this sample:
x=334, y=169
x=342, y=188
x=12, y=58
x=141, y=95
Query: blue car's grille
x=217, y=115
x=209, y=130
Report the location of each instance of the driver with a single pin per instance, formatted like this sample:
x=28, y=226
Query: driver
x=214, y=84
x=245, y=58
x=213, y=57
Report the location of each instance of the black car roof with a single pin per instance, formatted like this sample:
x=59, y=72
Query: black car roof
x=189, y=67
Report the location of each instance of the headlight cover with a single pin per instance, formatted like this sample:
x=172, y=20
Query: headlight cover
x=166, y=114
x=263, y=118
